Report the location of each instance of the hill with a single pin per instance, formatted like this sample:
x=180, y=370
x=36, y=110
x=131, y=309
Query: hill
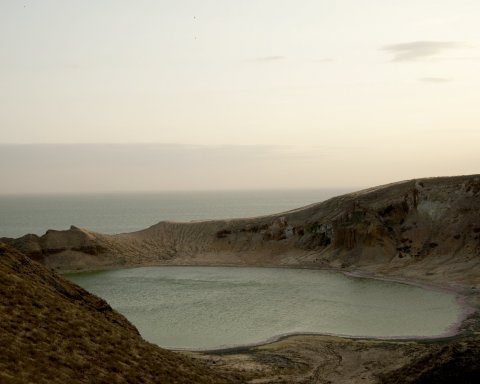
x=427, y=229
x=53, y=331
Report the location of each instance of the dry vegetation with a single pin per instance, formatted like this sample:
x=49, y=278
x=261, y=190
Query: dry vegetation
x=55, y=332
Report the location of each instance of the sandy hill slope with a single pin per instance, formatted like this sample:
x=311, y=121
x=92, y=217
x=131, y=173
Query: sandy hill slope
x=414, y=228
x=52, y=331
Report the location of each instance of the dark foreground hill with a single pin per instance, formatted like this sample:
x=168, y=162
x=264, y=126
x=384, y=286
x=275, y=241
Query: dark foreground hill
x=52, y=331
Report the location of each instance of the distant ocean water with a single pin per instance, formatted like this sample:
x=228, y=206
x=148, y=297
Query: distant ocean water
x=126, y=212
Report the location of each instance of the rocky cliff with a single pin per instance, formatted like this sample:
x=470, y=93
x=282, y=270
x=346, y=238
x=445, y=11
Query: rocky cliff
x=413, y=228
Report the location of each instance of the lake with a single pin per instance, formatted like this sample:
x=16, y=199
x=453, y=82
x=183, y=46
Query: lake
x=214, y=307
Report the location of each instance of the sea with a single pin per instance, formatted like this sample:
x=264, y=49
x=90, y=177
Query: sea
x=127, y=212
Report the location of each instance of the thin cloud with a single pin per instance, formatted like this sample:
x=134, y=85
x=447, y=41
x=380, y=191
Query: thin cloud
x=416, y=50
x=437, y=80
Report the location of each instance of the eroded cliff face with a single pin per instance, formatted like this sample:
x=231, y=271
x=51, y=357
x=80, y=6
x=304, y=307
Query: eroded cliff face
x=418, y=226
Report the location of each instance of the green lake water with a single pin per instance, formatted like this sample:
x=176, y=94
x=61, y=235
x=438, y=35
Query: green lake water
x=213, y=307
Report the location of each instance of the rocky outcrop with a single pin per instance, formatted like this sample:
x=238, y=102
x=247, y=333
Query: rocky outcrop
x=456, y=362
x=64, y=247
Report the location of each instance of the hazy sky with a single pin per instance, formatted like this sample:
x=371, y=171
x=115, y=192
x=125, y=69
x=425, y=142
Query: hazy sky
x=236, y=94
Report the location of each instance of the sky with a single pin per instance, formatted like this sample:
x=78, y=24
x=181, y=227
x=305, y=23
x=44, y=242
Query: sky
x=113, y=95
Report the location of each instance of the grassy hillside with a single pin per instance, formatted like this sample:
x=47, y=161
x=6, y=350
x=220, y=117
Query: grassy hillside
x=53, y=331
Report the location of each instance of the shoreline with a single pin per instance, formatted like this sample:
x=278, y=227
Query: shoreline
x=454, y=331
x=286, y=336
